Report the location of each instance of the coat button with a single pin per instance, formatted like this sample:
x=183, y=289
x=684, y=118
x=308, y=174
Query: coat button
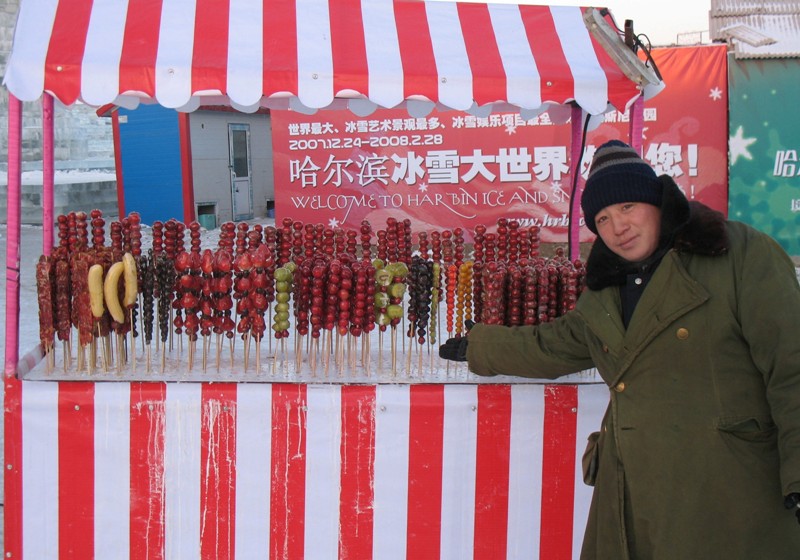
x=619, y=387
x=682, y=333
x=605, y=348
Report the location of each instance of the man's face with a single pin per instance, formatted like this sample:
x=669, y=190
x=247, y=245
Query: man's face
x=630, y=229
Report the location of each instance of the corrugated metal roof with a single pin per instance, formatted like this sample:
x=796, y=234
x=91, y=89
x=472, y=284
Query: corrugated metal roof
x=749, y=7
x=753, y=29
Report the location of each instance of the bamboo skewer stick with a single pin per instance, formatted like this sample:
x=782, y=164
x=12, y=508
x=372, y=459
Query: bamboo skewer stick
x=327, y=348
x=118, y=339
x=430, y=355
x=394, y=351
x=408, y=356
x=109, y=351
x=141, y=306
x=219, y=349
x=313, y=356
x=340, y=344
x=133, y=343
x=205, y=352
x=368, y=354
x=258, y=354
x=92, y=355
x=191, y=354
x=298, y=349
x=100, y=340
x=246, y=344
x=419, y=355
x=380, y=352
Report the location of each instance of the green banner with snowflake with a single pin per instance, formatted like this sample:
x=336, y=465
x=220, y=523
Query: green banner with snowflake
x=764, y=146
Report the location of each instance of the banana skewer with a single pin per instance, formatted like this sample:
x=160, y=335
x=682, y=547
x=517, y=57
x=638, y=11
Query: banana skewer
x=123, y=270
x=131, y=295
x=94, y=282
x=111, y=292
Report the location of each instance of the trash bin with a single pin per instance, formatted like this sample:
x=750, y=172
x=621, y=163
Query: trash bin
x=208, y=221
x=207, y=215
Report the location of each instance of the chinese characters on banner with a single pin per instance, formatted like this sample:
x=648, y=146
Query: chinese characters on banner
x=765, y=148
x=453, y=169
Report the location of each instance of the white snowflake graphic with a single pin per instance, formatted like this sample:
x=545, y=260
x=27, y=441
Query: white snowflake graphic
x=333, y=222
x=423, y=187
x=511, y=129
x=557, y=188
x=559, y=194
x=715, y=94
x=738, y=145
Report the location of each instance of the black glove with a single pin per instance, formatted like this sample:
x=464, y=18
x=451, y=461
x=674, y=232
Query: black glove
x=455, y=349
x=792, y=501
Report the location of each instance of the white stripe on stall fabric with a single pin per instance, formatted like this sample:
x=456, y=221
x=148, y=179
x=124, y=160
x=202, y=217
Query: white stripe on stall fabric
x=253, y=461
x=450, y=53
x=323, y=470
x=460, y=441
x=112, y=469
x=523, y=83
x=182, y=470
x=40, y=471
x=245, y=51
x=31, y=42
x=591, y=86
x=384, y=64
x=175, y=50
x=392, y=416
x=314, y=53
x=100, y=66
x=525, y=471
x=592, y=403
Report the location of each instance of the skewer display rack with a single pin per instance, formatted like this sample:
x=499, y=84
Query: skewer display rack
x=293, y=303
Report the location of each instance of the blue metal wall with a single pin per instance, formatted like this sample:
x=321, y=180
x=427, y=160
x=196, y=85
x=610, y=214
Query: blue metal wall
x=151, y=163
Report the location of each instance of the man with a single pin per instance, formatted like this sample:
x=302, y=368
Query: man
x=694, y=323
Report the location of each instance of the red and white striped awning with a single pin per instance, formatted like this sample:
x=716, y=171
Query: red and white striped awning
x=309, y=53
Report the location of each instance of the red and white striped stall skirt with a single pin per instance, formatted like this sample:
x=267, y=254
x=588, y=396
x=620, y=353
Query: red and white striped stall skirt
x=289, y=471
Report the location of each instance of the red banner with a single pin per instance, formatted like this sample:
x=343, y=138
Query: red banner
x=452, y=169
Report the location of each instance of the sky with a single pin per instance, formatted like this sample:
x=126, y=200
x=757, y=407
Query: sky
x=660, y=20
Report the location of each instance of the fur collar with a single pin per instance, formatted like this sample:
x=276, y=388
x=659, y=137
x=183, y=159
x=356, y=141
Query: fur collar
x=688, y=227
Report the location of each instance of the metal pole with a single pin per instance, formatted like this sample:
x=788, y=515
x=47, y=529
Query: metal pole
x=48, y=174
x=13, y=217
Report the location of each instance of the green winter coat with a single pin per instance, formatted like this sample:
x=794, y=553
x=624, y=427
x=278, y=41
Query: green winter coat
x=701, y=438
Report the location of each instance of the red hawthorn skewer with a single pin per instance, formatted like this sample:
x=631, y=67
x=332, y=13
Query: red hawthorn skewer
x=223, y=299
x=366, y=241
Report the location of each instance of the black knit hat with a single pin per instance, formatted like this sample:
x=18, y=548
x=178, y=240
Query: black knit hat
x=618, y=175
